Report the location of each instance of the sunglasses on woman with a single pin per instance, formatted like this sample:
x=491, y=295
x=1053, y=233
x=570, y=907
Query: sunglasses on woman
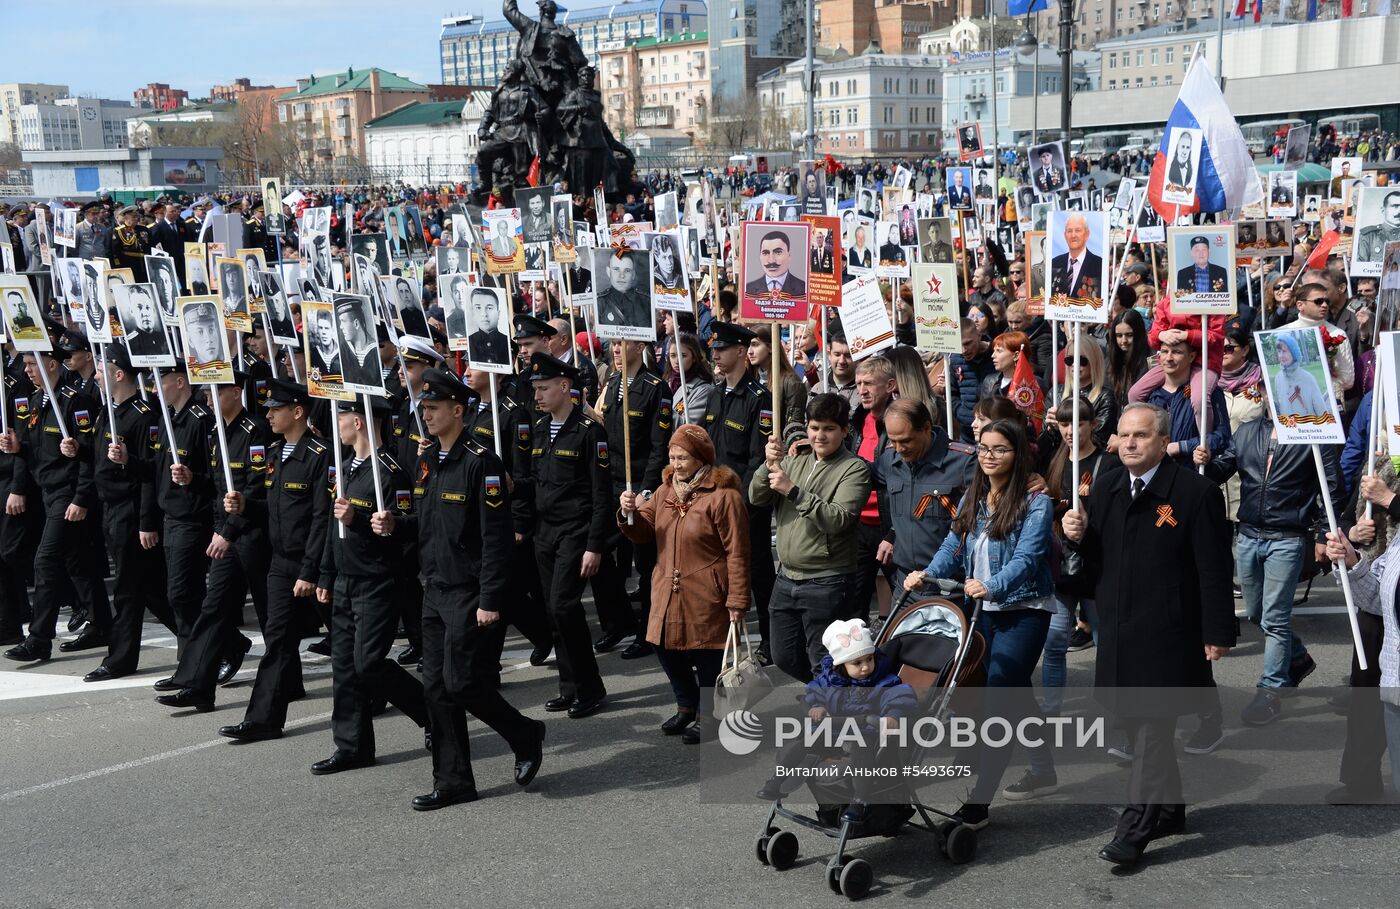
x=1083, y=361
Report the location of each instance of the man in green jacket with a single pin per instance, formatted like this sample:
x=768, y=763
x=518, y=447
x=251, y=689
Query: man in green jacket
x=817, y=495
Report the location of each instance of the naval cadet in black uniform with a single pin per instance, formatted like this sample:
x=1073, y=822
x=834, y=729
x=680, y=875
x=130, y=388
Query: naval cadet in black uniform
x=461, y=517
x=357, y=578
x=531, y=337
x=130, y=519
x=649, y=424
x=69, y=565
x=19, y=530
x=295, y=515
x=569, y=490
x=739, y=420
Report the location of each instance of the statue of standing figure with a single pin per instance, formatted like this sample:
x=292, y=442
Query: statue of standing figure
x=548, y=107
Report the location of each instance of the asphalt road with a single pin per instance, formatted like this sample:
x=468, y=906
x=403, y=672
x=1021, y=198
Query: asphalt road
x=107, y=799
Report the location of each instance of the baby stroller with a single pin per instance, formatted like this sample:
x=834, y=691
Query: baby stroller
x=936, y=649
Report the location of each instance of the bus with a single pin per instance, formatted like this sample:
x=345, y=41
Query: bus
x=1096, y=145
x=1261, y=136
x=1349, y=124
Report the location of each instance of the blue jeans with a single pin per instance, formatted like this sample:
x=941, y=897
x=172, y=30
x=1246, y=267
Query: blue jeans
x=1054, y=671
x=1392, y=743
x=1268, y=571
x=1015, y=639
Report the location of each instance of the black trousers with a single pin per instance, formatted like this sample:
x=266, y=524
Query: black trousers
x=215, y=635
x=609, y=585
x=363, y=623
x=528, y=608
x=761, y=570
x=408, y=598
x=70, y=566
x=279, y=681
x=802, y=610
x=559, y=552
x=868, y=537
x=139, y=586
x=1365, y=743
x=460, y=660
x=186, y=572
x=689, y=671
x=19, y=539
x=1154, y=786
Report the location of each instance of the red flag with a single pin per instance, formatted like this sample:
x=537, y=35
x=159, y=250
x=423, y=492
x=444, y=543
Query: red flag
x=532, y=176
x=1025, y=392
x=1346, y=8
x=1318, y=259
x=830, y=165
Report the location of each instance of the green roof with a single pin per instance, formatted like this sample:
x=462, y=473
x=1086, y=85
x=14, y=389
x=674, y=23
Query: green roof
x=354, y=80
x=420, y=113
x=683, y=38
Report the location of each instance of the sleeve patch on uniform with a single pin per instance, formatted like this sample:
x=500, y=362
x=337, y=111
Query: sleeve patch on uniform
x=83, y=418
x=765, y=419
x=22, y=407
x=493, y=487
x=403, y=499
x=257, y=453
x=523, y=432
x=602, y=451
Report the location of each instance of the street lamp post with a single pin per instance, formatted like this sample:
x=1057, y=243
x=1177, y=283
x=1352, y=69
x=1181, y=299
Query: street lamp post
x=1029, y=43
x=1066, y=67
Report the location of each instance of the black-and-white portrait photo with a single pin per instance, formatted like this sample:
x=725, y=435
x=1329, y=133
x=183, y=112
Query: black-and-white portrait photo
x=374, y=247
x=535, y=219
x=488, y=324
x=402, y=293
x=142, y=333
x=359, y=348
x=161, y=272
x=624, y=304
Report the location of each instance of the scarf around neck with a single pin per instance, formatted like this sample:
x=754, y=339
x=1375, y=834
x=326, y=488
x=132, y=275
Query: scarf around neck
x=1242, y=378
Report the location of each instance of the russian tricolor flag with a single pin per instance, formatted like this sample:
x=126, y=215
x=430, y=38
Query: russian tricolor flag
x=1226, y=176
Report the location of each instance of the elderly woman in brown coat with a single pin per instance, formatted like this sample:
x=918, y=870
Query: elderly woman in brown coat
x=701, y=580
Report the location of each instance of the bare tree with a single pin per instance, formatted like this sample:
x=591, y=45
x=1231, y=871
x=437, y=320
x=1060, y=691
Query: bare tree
x=734, y=122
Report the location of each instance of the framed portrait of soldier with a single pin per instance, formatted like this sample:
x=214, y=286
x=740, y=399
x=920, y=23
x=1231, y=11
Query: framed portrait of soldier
x=1183, y=165
x=620, y=281
x=161, y=272
x=936, y=241
x=196, y=271
x=535, y=222
x=867, y=205
x=206, y=341
x=7, y=257
x=891, y=260
x=501, y=232
x=1079, y=272
x=65, y=227
x=41, y=229
x=24, y=322
x=94, y=301
x=280, y=324
x=139, y=312
x=1201, y=266
x=454, y=296
x=374, y=247
x=859, y=246
x=1283, y=194
x=358, y=344
x=536, y=260
x=395, y=234
x=1076, y=201
x=1377, y=224
x=578, y=277
x=461, y=231
x=903, y=176
x=1295, y=147
x=811, y=189
x=1345, y=171
x=1049, y=174
x=414, y=238
x=1299, y=384
x=407, y=301
x=276, y=222
x=488, y=329
x=773, y=271
x=233, y=290
x=561, y=217
x=959, y=188
x=982, y=189
x=667, y=211
x=322, y=351
x=1025, y=201
x=453, y=260
x=969, y=142
x=1150, y=226
x=254, y=264
x=670, y=285
x=1036, y=244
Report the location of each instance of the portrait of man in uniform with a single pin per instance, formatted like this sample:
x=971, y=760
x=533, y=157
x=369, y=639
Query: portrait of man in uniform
x=623, y=300
x=487, y=343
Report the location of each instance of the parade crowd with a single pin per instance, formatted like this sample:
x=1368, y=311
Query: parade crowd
x=497, y=500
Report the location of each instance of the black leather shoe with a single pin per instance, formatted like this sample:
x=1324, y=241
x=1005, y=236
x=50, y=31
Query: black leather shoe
x=698, y=732
x=1171, y=827
x=677, y=724
x=1121, y=852
x=340, y=762
x=637, y=649
x=30, y=651
x=321, y=647
x=540, y=655
x=167, y=685
x=88, y=640
x=228, y=668
x=440, y=798
x=409, y=656
x=586, y=707
x=187, y=699
x=607, y=642
x=78, y=618
x=527, y=765
x=248, y=731
x=102, y=674
x=559, y=704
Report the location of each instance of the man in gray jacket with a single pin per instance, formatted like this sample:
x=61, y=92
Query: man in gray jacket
x=817, y=496
x=94, y=238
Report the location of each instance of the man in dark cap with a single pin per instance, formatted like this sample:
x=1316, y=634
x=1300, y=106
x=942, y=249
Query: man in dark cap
x=739, y=419
x=241, y=559
x=295, y=515
x=1202, y=276
x=462, y=520
x=357, y=578
x=129, y=518
x=570, y=493
x=532, y=336
x=93, y=238
x=130, y=244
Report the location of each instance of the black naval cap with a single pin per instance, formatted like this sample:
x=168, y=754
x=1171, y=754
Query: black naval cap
x=71, y=342
x=527, y=326
x=379, y=406
x=543, y=366
x=729, y=334
x=1198, y=239
x=117, y=356
x=441, y=385
x=282, y=393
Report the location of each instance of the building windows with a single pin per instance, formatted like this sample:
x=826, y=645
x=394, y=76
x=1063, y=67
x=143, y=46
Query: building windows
x=1112, y=84
x=1171, y=56
x=1112, y=61
x=1154, y=80
x=1139, y=58
x=1154, y=56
